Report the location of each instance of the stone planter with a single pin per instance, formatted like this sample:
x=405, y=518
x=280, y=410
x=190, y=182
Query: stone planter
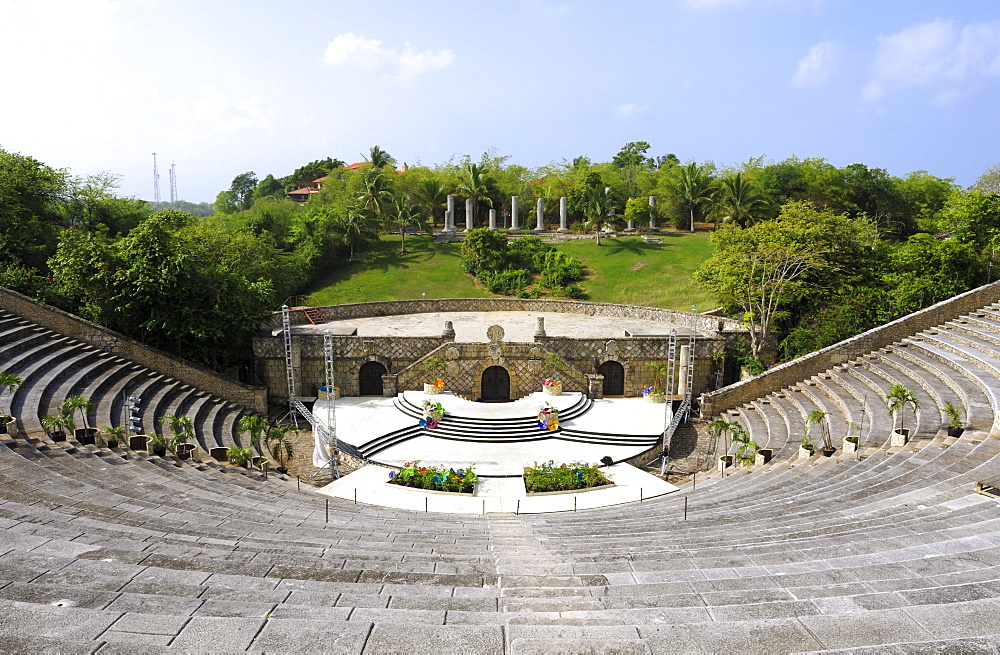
x=219, y=454
x=138, y=442
x=805, y=453
x=552, y=389
x=899, y=437
x=850, y=444
x=763, y=456
x=8, y=425
x=655, y=398
x=725, y=462
x=431, y=390
x=324, y=394
x=955, y=432
x=185, y=450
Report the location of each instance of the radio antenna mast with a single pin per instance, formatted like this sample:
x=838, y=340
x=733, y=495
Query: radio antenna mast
x=173, y=183
x=156, y=181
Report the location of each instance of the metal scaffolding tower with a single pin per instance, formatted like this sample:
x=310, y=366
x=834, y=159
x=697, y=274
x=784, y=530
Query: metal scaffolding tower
x=286, y=330
x=156, y=181
x=690, y=362
x=668, y=410
x=173, y=183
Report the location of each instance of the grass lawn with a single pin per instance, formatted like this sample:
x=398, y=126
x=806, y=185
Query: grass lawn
x=627, y=271
x=382, y=274
x=623, y=270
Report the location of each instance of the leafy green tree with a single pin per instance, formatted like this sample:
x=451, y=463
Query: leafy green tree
x=32, y=198
x=380, y=158
x=269, y=188
x=599, y=210
x=242, y=189
x=375, y=196
x=632, y=155
x=484, y=250
x=989, y=182
x=433, y=196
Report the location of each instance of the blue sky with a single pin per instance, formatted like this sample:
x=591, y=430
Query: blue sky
x=224, y=87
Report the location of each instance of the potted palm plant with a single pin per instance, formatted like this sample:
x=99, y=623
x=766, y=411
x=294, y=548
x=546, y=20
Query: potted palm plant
x=896, y=400
x=10, y=382
x=746, y=453
x=278, y=443
x=239, y=456
x=850, y=441
x=552, y=384
x=157, y=444
x=182, y=428
x=86, y=435
x=806, y=447
x=113, y=436
x=655, y=393
x=720, y=427
x=57, y=426
x=434, y=366
x=820, y=417
x=954, y=414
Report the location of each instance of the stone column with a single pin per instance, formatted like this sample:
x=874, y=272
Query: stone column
x=682, y=374
x=493, y=219
x=451, y=204
x=562, y=215
x=631, y=222
x=468, y=214
x=539, y=326
x=449, y=222
x=540, y=208
x=449, y=331
x=513, y=214
x=652, y=212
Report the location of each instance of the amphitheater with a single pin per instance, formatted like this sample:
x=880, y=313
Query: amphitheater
x=891, y=548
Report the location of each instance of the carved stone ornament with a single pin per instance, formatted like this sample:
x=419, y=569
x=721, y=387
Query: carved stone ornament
x=494, y=333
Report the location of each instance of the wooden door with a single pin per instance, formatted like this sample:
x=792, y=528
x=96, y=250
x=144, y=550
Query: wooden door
x=614, y=378
x=496, y=384
x=370, y=379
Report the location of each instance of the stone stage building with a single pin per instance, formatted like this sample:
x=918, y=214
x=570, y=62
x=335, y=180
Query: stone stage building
x=493, y=349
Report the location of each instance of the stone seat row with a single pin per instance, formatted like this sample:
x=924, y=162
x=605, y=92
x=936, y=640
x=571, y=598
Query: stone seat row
x=53, y=368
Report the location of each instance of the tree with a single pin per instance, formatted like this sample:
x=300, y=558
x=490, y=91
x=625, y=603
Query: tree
x=379, y=158
x=820, y=417
x=254, y=426
x=269, y=188
x=989, y=182
x=632, y=155
x=350, y=228
x=696, y=190
x=375, y=195
x=433, y=195
x=32, y=197
x=761, y=268
x=473, y=185
x=740, y=200
x=242, y=189
x=599, y=209
x=404, y=214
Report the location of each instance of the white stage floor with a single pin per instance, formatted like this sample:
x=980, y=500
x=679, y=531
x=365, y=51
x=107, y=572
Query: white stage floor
x=359, y=420
x=368, y=485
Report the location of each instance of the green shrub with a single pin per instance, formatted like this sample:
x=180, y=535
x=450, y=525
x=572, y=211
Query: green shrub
x=508, y=282
x=565, y=477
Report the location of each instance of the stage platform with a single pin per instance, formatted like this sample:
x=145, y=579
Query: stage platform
x=499, y=439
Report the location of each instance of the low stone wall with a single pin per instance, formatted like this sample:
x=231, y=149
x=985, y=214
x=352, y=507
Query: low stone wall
x=705, y=322
x=252, y=397
x=800, y=369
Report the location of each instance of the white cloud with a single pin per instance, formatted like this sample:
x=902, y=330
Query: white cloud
x=220, y=114
x=817, y=66
x=629, y=110
x=355, y=51
x=940, y=56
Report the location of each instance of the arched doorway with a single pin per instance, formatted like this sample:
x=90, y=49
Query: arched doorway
x=614, y=378
x=496, y=385
x=370, y=379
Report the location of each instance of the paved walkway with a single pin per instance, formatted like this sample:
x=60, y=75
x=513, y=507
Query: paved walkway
x=369, y=485
x=470, y=327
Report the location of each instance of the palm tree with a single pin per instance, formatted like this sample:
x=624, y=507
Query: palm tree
x=182, y=427
x=659, y=371
x=898, y=398
x=473, y=185
x=720, y=427
x=747, y=451
x=598, y=209
x=404, y=214
x=278, y=444
x=433, y=196
x=349, y=228
x=79, y=403
x=741, y=200
x=379, y=158
x=10, y=382
x=818, y=416
x=253, y=425
x=375, y=195
x=695, y=189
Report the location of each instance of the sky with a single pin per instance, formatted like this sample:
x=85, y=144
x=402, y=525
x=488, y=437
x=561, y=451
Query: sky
x=221, y=88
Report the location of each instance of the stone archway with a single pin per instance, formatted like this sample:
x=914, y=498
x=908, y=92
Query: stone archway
x=614, y=378
x=370, y=379
x=495, y=385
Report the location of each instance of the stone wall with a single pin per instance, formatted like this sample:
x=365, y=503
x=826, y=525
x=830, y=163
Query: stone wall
x=252, y=397
x=705, y=322
x=797, y=370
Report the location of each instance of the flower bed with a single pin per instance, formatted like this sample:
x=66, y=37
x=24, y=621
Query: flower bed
x=548, y=418
x=433, y=413
x=564, y=477
x=435, y=478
